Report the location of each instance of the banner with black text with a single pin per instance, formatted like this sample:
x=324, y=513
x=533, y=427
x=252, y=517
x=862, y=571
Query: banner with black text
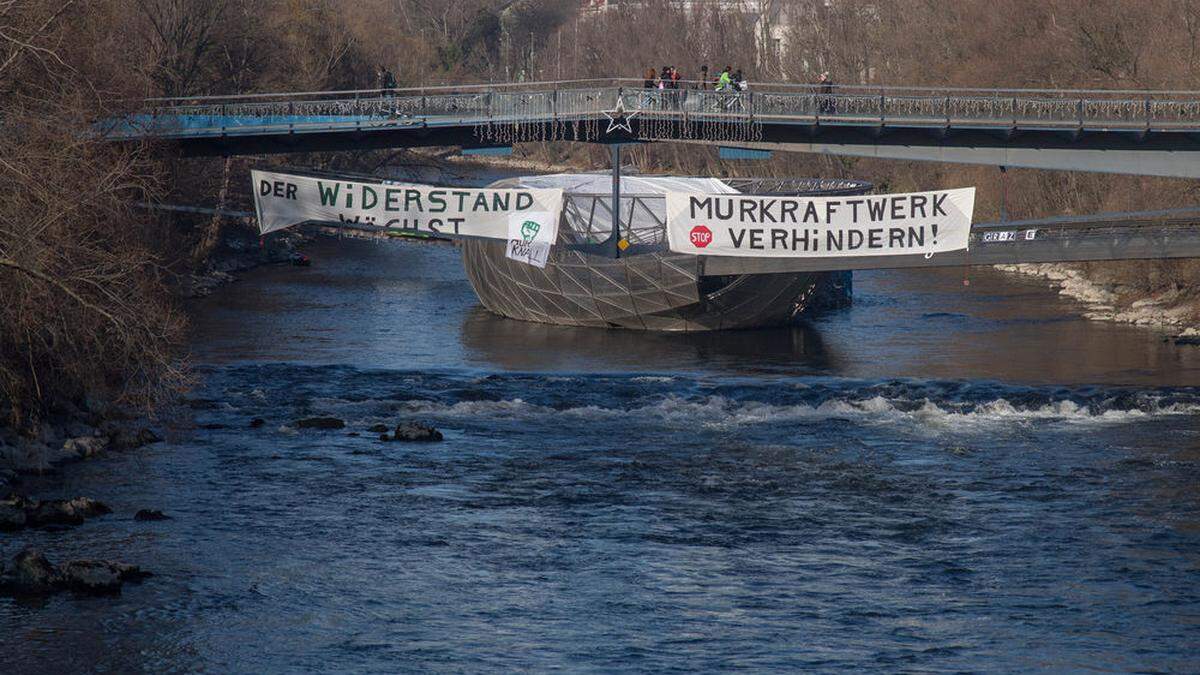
x=919, y=223
x=527, y=216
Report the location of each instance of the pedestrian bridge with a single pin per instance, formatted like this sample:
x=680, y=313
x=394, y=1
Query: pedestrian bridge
x=1133, y=132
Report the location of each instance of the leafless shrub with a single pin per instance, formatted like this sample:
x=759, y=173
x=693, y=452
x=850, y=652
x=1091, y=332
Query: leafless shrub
x=83, y=308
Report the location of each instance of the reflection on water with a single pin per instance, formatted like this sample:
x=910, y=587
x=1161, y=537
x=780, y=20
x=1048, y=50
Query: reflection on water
x=524, y=346
x=941, y=477
x=408, y=305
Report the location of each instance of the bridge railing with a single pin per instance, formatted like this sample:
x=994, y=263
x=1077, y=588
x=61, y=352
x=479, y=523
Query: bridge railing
x=589, y=99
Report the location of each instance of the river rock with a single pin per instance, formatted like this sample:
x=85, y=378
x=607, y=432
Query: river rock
x=257, y=422
x=416, y=432
x=150, y=514
x=98, y=576
x=64, y=511
x=136, y=439
x=31, y=574
x=378, y=428
x=320, y=423
x=85, y=446
x=12, y=513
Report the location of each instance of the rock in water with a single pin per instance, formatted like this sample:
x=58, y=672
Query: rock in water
x=31, y=574
x=320, y=423
x=121, y=437
x=64, y=511
x=257, y=422
x=147, y=436
x=378, y=428
x=98, y=576
x=54, y=512
x=416, y=432
x=91, y=576
x=88, y=507
x=150, y=514
x=85, y=446
x=12, y=513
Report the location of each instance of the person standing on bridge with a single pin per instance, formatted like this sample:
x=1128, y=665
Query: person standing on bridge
x=826, y=89
x=673, y=85
x=725, y=80
x=725, y=87
x=648, y=82
x=648, y=86
x=389, y=83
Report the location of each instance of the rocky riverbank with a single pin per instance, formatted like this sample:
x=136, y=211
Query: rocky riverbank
x=240, y=250
x=68, y=437
x=1172, y=311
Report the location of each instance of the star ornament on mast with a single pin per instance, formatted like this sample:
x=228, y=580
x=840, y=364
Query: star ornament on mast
x=618, y=119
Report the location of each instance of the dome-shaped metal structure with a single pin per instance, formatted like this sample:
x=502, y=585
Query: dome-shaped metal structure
x=655, y=290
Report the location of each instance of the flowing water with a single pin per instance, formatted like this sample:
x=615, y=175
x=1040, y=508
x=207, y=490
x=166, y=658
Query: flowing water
x=942, y=477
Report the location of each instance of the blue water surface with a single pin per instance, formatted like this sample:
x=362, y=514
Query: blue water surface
x=945, y=477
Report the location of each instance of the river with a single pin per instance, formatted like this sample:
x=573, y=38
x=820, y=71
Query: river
x=941, y=477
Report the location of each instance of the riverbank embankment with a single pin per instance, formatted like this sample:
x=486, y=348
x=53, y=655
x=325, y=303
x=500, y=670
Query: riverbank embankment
x=1173, y=310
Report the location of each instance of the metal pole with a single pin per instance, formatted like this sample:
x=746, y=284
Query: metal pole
x=616, y=199
x=1003, y=194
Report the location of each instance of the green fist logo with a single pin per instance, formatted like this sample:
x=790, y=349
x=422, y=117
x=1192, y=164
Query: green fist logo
x=529, y=230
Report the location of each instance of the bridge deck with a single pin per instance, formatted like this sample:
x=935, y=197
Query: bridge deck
x=1148, y=133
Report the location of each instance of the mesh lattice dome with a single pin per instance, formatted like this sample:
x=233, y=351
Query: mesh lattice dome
x=649, y=289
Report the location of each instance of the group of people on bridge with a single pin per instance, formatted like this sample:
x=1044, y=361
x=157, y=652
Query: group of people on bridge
x=662, y=87
x=670, y=78
x=668, y=88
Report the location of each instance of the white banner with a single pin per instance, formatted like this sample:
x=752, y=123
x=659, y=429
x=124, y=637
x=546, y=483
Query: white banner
x=922, y=223
x=528, y=241
x=282, y=200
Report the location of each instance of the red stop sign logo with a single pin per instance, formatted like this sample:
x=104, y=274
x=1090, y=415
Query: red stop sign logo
x=701, y=236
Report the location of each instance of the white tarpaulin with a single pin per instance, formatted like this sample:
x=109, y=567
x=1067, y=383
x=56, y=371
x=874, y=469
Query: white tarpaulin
x=529, y=215
x=922, y=223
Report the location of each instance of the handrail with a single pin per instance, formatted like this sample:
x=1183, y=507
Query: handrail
x=802, y=104
x=692, y=84
x=373, y=91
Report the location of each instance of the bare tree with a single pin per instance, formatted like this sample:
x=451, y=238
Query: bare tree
x=180, y=36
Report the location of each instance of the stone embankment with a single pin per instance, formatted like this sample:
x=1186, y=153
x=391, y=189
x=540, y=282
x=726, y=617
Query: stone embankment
x=1173, y=312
